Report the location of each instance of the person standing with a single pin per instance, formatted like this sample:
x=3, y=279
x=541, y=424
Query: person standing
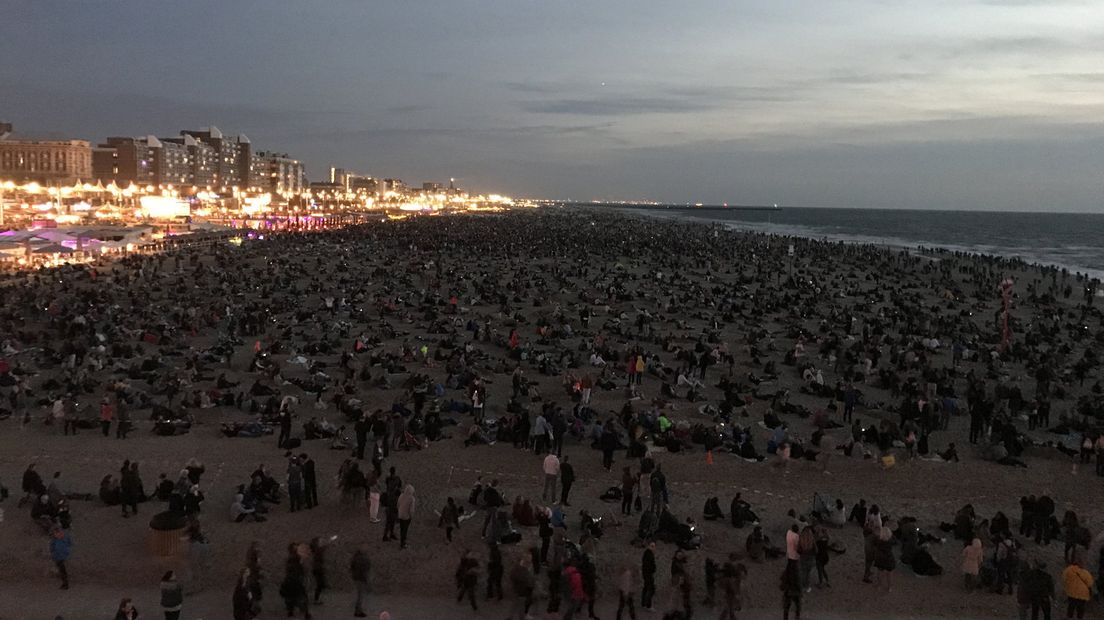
x=628, y=484
x=107, y=413
x=1077, y=583
x=61, y=547
x=361, y=428
x=648, y=572
x=122, y=415
x=310, y=481
x=551, y=469
x=285, y=428
x=130, y=487
x=294, y=484
x=972, y=557
x=492, y=501
x=172, y=596
x=358, y=571
x=405, y=512
x=567, y=478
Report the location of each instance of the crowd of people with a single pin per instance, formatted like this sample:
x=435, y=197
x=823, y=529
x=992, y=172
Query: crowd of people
x=548, y=336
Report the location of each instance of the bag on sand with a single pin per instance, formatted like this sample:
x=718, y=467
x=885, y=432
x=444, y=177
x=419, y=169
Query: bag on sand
x=612, y=494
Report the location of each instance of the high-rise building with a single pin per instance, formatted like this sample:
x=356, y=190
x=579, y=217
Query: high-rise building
x=45, y=161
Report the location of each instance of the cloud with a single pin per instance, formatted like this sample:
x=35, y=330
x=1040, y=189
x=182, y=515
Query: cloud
x=616, y=106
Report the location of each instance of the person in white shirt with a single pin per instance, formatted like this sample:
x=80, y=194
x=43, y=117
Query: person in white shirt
x=551, y=474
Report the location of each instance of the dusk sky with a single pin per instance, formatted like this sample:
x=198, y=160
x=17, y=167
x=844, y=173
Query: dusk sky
x=984, y=104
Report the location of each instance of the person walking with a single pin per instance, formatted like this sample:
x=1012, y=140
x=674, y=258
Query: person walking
x=318, y=567
x=359, y=567
x=405, y=512
x=1077, y=583
x=294, y=587
x=822, y=556
x=523, y=583
x=467, y=578
x=648, y=573
x=244, y=604
x=791, y=591
x=450, y=518
x=61, y=547
x=732, y=588
x=126, y=610
x=172, y=596
x=495, y=570
x=310, y=481
x=626, y=588
x=567, y=478
x=551, y=467
x=576, y=594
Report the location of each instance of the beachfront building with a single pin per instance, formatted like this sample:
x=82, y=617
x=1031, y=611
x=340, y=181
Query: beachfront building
x=45, y=161
x=143, y=161
x=277, y=173
x=233, y=157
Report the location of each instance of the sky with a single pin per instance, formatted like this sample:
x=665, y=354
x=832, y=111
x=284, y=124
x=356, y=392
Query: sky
x=942, y=104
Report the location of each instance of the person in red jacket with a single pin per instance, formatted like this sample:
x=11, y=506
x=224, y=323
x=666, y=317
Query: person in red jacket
x=577, y=595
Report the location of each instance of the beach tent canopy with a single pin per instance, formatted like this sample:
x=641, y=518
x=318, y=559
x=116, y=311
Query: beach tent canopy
x=52, y=248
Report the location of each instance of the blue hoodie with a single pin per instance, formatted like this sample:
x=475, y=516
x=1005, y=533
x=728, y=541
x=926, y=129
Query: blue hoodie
x=60, y=547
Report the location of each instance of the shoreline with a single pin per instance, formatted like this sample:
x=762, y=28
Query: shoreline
x=927, y=249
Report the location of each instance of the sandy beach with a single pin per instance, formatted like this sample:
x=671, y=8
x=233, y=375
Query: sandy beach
x=349, y=312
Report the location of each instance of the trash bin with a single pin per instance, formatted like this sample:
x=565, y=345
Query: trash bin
x=166, y=534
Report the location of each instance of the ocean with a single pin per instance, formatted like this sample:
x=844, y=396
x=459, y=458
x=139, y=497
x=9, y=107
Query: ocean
x=1071, y=240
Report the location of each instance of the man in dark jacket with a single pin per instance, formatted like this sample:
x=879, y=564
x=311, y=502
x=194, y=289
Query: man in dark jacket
x=648, y=571
x=392, y=489
x=567, y=478
x=358, y=571
x=310, y=481
x=32, y=485
x=285, y=428
x=361, y=428
x=492, y=499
